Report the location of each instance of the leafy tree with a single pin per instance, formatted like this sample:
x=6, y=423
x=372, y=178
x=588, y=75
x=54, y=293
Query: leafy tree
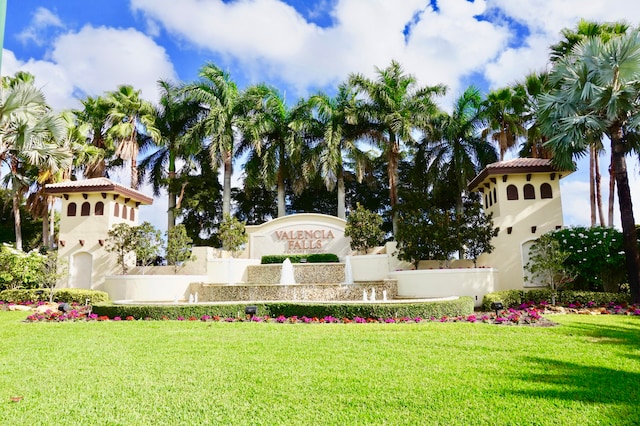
x=595, y=91
x=232, y=234
x=504, y=110
x=364, y=227
x=147, y=244
x=31, y=227
x=179, y=247
x=547, y=264
x=20, y=269
x=476, y=230
x=254, y=204
x=121, y=240
x=393, y=108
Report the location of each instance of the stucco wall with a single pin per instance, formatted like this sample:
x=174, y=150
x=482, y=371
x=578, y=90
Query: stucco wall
x=150, y=288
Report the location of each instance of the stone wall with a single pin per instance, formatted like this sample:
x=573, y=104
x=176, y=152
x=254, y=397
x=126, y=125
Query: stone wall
x=304, y=273
x=297, y=292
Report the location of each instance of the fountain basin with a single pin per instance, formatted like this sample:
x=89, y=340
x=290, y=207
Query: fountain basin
x=295, y=292
x=304, y=273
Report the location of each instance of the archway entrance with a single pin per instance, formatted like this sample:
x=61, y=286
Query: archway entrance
x=80, y=270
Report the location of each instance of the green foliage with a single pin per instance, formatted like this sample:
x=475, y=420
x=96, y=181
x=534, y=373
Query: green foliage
x=513, y=298
x=428, y=231
x=179, y=247
x=298, y=258
x=462, y=306
x=546, y=263
x=148, y=244
x=364, y=227
x=232, y=234
x=144, y=241
x=20, y=269
x=121, y=240
x=596, y=255
x=66, y=295
x=31, y=226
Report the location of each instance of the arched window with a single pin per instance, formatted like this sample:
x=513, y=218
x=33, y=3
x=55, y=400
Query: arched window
x=99, y=209
x=71, y=209
x=490, y=198
x=529, y=192
x=512, y=192
x=546, y=191
x=124, y=212
x=486, y=201
x=132, y=214
x=116, y=210
x=85, y=210
x=495, y=195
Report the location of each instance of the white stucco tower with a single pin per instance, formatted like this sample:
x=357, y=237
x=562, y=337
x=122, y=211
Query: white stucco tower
x=90, y=208
x=524, y=196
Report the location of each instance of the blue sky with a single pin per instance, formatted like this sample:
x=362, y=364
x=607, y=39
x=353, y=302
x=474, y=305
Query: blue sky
x=78, y=48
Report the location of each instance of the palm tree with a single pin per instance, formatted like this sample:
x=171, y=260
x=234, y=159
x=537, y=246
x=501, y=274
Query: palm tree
x=219, y=119
x=173, y=117
x=129, y=115
x=585, y=30
x=334, y=120
x=28, y=132
x=458, y=151
x=275, y=145
x=94, y=117
x=393, y=108
x=595, y=91
x=503, y=110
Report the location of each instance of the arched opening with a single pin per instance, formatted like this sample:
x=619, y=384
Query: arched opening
x=495, y=195
x=99, y=209
x=132, y=214
x=512, y=192
x=116, y=210
x=546, y=191
x=529, y=192
x=525, y=249
x=124, y=212
x=85, y=210
x=71, y=209
x=80, y=270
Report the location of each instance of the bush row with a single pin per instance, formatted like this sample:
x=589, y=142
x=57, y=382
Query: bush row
x=513, y=298
x=300, y=258
x=66, y=295
x=450, y=308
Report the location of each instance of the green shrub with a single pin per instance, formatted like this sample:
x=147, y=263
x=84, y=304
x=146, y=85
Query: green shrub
x=298, y=258
x=66, y=295
x=451, y=308
x=513, y=298
x=364, y=227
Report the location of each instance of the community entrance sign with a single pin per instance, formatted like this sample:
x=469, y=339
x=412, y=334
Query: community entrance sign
x=298, y=234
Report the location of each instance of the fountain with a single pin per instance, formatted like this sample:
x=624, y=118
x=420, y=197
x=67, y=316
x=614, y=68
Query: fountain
x=286, y=275
x=348, y=271
x=373, y=294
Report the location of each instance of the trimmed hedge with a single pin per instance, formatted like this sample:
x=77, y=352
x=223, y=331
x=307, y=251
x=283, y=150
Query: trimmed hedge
x=449, y=308
x=513, y=298
x=66, y=295
x=299, y=258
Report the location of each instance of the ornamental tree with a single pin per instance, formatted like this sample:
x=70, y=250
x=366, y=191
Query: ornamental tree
x=143, y=241
x=179, y=247
x=232, y=234
x=546, y=264
x=364, y=227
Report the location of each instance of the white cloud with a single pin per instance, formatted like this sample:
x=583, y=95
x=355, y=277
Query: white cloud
x=94, y=60
x=42, y=21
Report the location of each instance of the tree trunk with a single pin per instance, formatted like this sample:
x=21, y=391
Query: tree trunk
x=342, y=211
x=52, y=221
x=598, y=188
x=45, y=228
x=592, y=192
x=16, y=218
x=392, y=170
x=612, y=188
x=226, y=191
x=134, y=173
x=626, y=213
x=282, y=208
x=171, y=205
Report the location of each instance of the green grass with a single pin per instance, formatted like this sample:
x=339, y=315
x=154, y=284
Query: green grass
x=584, y=372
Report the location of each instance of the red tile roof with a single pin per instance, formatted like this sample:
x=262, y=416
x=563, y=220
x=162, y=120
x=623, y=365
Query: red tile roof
x=96, y=185
x=515, y=166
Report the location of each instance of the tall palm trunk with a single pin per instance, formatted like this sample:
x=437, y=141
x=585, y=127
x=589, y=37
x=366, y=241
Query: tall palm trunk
x=612, y=188
x=626, y=212
x=282, y=211
x=392, y=170
x=17, y=218
x=592, y=191
x=171, y=205
x=598, y=188
x=342, y=211
x=226, y=190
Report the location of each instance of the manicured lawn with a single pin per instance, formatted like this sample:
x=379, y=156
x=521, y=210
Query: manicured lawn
x=585, y=372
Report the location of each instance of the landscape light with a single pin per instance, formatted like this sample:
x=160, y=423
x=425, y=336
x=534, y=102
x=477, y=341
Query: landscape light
x=250, y=311
x=496, y=306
